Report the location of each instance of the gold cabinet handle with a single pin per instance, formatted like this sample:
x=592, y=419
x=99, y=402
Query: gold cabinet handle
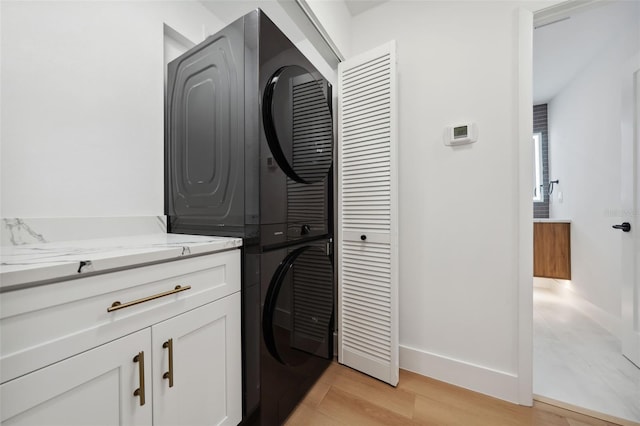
x=169, y=374
x=117, y=305
x=140, y=391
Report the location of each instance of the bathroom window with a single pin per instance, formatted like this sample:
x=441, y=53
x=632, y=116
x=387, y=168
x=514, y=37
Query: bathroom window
x=538, y=185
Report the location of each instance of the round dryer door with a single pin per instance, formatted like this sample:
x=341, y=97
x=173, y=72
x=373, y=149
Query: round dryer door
x=298, y=124
x=297, y=317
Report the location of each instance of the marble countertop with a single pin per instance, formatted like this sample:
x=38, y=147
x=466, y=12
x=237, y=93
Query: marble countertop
x=45, y=262
x=545, y=220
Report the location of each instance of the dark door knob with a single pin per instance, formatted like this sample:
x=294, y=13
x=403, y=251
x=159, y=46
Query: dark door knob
x=305, y=229
x=363, y=237
x=625, y=226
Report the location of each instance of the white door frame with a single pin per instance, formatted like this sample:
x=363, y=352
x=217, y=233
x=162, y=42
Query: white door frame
x=524, y=152
x=524, y=157
x=629, y=194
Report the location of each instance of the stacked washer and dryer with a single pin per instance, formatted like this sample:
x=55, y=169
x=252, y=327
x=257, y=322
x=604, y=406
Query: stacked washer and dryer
x=248, y=153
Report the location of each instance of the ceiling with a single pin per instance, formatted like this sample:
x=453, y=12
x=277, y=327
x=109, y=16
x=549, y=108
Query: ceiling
x=358, y=6
x=562, y=49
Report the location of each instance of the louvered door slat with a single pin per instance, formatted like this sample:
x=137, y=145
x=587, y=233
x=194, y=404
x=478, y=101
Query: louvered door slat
x=354, y=180
x=359, y=101
x=367, y=228
x=369, y=160
x=368, y=74
x=366, y=69
x=358, y=177
x=368, y=89
x=362, y=102
x=376, y=158
x=372, y=112
x=372, y=255
x=370, y=336
x=357, y=170
x=369, y=137
x=368, y=326
x=368, y=108
x=354, y=73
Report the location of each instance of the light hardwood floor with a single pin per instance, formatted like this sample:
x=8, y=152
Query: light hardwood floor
x=344, y=396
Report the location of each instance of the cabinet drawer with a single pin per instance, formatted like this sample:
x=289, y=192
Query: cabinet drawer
x=44, y=324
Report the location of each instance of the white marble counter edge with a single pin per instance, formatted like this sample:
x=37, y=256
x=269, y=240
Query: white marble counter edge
x=47, y=271
x=545, y=220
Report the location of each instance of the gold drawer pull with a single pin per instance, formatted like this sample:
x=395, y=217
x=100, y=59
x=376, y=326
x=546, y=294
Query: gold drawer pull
x=169, y=374
x=140, y=391
x=117, y=305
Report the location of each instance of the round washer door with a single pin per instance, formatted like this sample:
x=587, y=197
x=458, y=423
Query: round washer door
x=297, y=316
x=298, y=124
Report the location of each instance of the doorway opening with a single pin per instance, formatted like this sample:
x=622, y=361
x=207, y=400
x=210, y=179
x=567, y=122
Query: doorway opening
x=577, y=322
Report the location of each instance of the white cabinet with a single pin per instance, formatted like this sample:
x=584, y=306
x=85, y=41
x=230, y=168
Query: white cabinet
x=197, y=366
x=92, y=388
x=85, y=364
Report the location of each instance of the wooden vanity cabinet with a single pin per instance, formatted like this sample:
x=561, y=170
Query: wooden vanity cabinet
x=552, y=250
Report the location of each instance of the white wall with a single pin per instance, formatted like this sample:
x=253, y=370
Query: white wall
x=336, y=20
x=82, y=101
x=584, y=154
x=457, y=62
x=82, y=105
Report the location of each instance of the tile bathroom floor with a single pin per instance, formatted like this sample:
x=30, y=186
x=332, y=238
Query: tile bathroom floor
x=577, y=362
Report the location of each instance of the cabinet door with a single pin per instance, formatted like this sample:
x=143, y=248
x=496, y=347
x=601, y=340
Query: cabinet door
x=197, y=366
x=93, y=388
x=552, y=250
x=367, y=212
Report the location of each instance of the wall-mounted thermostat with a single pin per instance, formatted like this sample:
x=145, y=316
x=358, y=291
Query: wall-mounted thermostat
x=461, y=134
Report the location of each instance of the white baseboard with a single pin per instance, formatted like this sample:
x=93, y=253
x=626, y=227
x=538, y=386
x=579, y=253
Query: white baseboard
x=485, y=380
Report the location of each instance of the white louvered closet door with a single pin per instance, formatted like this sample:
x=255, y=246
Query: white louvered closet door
x=367, y=214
